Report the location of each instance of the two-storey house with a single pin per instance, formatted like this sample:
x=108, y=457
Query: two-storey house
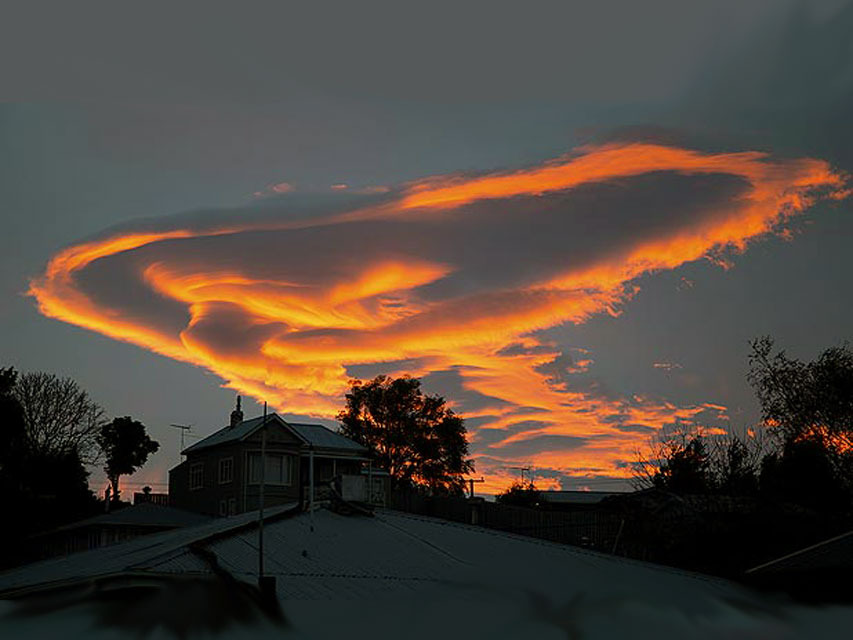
x=221, y=474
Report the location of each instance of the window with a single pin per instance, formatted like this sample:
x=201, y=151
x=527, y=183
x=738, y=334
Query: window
x=226, y=470
x=197, y=475
x=232, y=506
x=223, y=508
x=279, y=469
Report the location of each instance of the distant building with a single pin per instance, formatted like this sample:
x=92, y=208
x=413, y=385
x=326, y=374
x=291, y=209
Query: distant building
x=111, y=528
x=146, y=496
x=221, y=474
x=560, y=500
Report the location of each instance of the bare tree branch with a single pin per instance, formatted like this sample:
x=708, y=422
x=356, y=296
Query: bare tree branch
x=59, y=416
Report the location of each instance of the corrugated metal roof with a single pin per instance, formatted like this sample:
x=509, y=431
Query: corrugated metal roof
x=315, y=434
x=232, y=434
x=324, y=438
x=359, y=557
x=144, y=514
x=144, y=553
x=354, y=577
x=835, y=553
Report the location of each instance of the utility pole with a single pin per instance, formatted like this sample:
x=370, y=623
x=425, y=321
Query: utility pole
x=261, y=508
x=471, y=482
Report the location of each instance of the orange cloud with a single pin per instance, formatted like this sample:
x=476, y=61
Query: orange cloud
x=431, y=273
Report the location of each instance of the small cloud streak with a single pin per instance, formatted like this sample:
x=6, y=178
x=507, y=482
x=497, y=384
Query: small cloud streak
x=449, y=278
x=667, y=366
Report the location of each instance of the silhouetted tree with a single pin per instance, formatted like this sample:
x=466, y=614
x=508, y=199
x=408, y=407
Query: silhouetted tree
x=126, y=447
x=805, y=473
x=809, y=408
x=40, y=489
x=805, y=399
x=60, y=417
x=697, y=464
x=13, y=435
x=414, y=436
x=735, y=462
x=686, y=467
x=520, y=494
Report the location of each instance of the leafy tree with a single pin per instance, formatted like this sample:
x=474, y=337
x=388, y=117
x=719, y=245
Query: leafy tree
x=60, y=417
x=679, y=462
x=735, y=463
x=520, y=494
x=699, y=464
x=805, y=472
x=126, y=447
x=805, y=399
x=808, y=406
x=414, y=436
x=686, y=468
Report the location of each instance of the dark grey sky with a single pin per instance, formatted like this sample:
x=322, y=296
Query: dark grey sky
x=114, y=115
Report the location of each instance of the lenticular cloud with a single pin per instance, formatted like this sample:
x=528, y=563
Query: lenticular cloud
x=449, y=275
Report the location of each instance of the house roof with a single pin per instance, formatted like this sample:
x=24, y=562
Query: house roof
x=835, y=553
x=339, y=576
x=577, y=497
x=393, y=553
x=143, y=554
x=144, y=514
x=323, y=438
x=310, y=434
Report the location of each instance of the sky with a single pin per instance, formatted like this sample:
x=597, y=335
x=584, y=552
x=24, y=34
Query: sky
x=567, y=219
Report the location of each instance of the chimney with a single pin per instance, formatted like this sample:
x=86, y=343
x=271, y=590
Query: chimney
x=236, y=415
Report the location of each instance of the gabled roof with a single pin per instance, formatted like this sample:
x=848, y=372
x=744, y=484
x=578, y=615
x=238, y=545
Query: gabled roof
x=323, y=438
x=310, y=434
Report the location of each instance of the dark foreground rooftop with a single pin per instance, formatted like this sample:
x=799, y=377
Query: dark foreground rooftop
x=395, y=573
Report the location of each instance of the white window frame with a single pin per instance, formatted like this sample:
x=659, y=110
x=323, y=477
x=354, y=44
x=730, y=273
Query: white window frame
x=196, y=468
x=226, y=463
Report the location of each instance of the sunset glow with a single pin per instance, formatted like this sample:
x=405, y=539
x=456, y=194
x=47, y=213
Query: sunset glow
x=289, y=328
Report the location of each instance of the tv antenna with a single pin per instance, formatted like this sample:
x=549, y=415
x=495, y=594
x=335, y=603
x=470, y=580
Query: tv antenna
x=522, y=470
x=184, y=429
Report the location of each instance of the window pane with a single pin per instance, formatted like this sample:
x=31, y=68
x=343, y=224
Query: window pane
x=254, y=469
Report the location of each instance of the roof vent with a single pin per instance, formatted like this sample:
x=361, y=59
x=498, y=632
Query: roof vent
x=236, y=415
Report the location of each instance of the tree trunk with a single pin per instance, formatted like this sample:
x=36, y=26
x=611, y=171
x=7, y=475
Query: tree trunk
x=114, y=482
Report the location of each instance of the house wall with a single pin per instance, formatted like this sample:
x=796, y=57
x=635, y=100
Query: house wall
x=238, y=495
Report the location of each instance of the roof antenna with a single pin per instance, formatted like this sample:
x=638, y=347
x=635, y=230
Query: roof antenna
x=184, y=428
